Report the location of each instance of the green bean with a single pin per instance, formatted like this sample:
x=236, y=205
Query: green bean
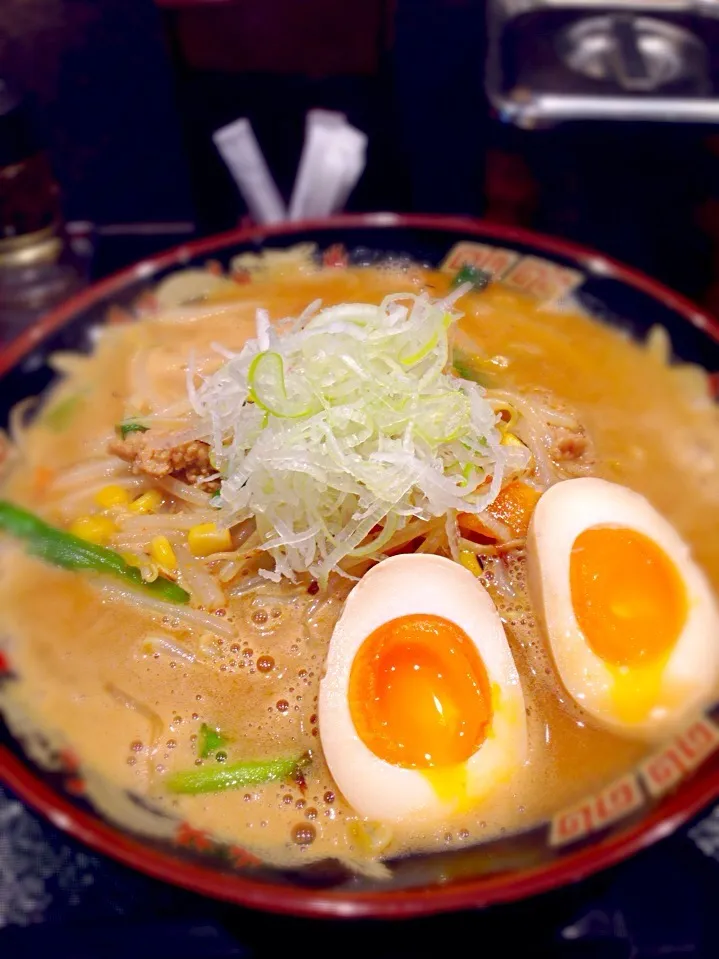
x=63, y=549
x=214, y=778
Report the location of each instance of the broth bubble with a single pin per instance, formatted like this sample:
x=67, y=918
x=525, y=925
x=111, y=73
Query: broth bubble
x=304, y=834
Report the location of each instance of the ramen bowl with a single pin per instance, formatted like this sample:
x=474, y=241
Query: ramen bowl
x=675, y=779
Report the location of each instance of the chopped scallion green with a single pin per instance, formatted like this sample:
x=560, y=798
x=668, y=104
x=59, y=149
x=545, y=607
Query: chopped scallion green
x=209, y=741
x=479, y=279
x=131, y=426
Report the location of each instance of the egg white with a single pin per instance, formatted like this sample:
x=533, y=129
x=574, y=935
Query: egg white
x=688, y=678
x=401, y=586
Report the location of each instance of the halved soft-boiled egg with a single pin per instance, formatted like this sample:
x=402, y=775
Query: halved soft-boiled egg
x=421, y=710
x=630, y=618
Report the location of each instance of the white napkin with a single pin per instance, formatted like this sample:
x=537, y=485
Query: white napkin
x=241, y=152
x=333, y=159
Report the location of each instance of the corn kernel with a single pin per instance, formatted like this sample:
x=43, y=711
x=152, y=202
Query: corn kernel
x=132, y=559
x=206, y=538
x=509, y=439
x=469, y=560
x=147, y=502
x=162, y=552
x=112, y=495
x=93, y=529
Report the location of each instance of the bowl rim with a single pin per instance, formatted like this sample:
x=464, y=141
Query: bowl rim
x=242, y=889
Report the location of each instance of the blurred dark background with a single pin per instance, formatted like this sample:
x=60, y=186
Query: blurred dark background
x=126, y=95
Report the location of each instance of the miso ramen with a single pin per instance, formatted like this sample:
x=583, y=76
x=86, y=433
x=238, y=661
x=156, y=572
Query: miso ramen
x=355, y=562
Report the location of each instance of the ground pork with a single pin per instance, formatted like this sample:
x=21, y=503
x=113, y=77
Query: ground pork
x=571, y=445
x=189, y=462
x=572, y=451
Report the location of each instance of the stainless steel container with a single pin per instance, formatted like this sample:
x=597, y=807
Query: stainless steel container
x=555, y=60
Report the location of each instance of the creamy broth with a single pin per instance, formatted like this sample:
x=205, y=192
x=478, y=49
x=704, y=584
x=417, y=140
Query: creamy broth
x=128, y=692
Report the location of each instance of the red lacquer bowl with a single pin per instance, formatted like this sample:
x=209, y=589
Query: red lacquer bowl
x=671, y=786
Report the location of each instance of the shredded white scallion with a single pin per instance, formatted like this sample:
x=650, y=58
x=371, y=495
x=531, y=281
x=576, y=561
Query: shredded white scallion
x=325, y=430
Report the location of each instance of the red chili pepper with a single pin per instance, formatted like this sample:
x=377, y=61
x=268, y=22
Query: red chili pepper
x=147, y=302
x=300, y=781
x=241, y=276
x=69, y=760
x=335, y=255
x=241, y=857
x=116, y=315
x=76, y=785
x=187, y=836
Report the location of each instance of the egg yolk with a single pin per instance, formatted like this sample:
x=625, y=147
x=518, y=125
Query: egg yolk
x=628, y=597
x=419, y=694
